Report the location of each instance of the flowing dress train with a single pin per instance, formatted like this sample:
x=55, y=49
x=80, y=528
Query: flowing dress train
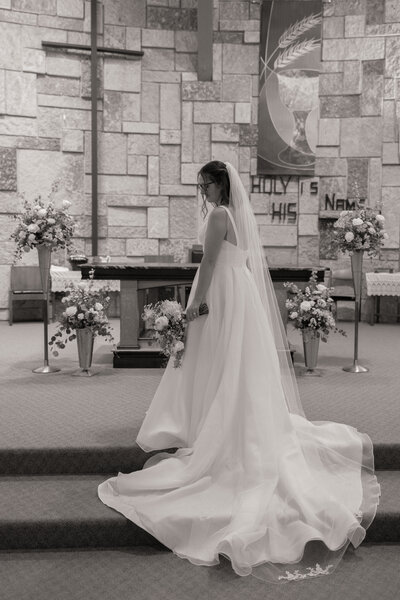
x=249, y=480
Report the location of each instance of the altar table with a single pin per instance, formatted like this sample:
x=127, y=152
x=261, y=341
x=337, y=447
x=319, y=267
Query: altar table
x=135, y=277
x=382, y=284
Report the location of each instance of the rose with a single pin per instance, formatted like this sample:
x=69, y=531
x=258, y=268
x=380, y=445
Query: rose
x=305, y=306
x=294, y=315
x=21, y=235
x=357, y=221
x=33, y=227
x=321, y=287
x=178, y=346
x=42, y=212
x=71, y=311
x=349, y=236
x=31, y=237
x=371, y=230
x=380, y=218
x=98, y=306
x=80, y=316
x=51, y=221
x=161, y=323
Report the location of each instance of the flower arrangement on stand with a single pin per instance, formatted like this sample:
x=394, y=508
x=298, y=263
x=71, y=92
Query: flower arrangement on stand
x=168, y=323
x=46, y=227
x=84, y=317
x=358, y=231
x=310, y=311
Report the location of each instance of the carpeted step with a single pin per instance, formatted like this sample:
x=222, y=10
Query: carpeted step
x=144, y=573
x=98, y=460
x=63, y=511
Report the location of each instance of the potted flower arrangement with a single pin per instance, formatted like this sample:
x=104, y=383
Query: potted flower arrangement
x=167, y=321
x=46, y=227
x=84, y=317
x=310, y=311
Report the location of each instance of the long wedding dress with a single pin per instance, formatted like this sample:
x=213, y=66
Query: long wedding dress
x=249, y=480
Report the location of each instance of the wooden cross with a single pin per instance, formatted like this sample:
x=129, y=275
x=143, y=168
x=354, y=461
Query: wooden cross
x=94, y=50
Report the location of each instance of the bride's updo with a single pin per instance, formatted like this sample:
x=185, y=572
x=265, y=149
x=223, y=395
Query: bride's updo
x=217, y=172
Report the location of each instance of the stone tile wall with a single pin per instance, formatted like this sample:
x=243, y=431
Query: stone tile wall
x=158, y=124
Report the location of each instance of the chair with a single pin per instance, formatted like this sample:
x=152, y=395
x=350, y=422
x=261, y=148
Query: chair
x=342, y=282
x=25, y=285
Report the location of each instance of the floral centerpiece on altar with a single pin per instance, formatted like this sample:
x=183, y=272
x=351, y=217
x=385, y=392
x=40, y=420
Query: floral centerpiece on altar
x=84, y=308
x=43, y=224
x=311, y=309
x=361, y=229
x=168, y=323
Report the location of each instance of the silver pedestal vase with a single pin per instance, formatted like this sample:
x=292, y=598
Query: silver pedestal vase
x=44, y=255
x=85, y=341
x=356, y=268
x=310, y=347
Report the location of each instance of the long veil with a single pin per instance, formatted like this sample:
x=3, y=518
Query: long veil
x=350, y=455
x=249, y=240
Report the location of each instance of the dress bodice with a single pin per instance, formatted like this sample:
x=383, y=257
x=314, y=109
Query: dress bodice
x=229, y=254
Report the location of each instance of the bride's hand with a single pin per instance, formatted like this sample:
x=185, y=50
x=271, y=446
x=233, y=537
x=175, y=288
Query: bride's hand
x=192, y=311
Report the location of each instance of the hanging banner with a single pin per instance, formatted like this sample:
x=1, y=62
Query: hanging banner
x=290, y=63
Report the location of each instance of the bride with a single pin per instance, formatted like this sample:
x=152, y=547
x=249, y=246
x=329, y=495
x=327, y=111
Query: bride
x=251, y=478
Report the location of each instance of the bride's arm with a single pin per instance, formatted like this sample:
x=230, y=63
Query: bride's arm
x=216, y=230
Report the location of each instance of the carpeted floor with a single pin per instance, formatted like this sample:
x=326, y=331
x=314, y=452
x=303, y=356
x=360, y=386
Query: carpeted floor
x=59, y=436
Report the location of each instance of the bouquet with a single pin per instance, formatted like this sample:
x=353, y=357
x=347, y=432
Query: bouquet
x=83, y=307
x=41, y=223
x=311, y=308
x=168, y=322
x=360, y=229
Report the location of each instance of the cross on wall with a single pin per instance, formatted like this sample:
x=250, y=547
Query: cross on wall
x=205, y=62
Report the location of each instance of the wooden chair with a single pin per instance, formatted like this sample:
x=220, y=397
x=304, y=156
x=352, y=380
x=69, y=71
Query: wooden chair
x=342, y=282
x=25, y=284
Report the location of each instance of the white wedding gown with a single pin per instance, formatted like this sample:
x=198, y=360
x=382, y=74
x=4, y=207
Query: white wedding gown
x=249, y=480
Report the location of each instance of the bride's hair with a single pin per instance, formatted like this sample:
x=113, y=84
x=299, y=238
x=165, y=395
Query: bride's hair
x=218, y=173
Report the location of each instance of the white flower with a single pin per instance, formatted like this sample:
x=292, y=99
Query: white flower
x=357, y=221
x=305, y=306
x=321, y=287
x=380, y=218
x=178, y=346
x=66, y=203
x=294, y=315
x=33, y=227
x=343, y=213
x=98, y=306
x=321, y=303
x=71, y=311
x=161, y=323
x=37, y=207
x=80, y=316
x=51, y=221
x=42, y=212
x=371, y=230
x=385, y=236
x=31, y=237
x=349, y=236
x=21, y=235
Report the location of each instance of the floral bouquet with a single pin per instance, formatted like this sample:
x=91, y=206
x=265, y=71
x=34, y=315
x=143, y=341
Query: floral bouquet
x=311, y=308
x=83, y=307
x=360, y=229
x=41, y=223
x=168, y=322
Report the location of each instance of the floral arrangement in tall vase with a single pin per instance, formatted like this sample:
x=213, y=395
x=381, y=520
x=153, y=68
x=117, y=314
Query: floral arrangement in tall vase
x=310, y=311
x=359, y=231
x=44, y=226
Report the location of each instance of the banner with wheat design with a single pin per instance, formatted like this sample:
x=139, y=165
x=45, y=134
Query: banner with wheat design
x=290, y=63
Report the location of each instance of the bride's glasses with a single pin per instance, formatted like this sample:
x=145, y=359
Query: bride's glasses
x=203, y=187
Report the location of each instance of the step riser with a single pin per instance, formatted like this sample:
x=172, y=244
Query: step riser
x=103, y=461
x=30, y=536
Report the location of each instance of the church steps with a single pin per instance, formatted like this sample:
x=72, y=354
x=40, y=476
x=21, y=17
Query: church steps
x=63, y=511
x=112, y=459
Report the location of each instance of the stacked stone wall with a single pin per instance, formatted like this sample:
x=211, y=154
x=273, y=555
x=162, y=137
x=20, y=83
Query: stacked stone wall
x=158, y=123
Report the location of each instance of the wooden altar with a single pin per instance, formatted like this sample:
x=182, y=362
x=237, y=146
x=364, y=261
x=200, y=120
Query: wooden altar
x=136, y=277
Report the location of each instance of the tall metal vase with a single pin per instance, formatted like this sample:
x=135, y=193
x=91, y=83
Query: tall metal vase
x=310, y=347
x=356, y=269
x=44, y=256
x=85, y=341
